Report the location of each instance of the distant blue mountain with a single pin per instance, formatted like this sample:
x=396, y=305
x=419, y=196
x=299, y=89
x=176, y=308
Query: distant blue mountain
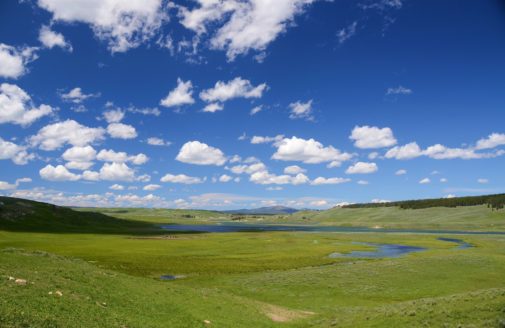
x=271, y=210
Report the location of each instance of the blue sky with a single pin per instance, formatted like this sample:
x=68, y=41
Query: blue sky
x=230, y=104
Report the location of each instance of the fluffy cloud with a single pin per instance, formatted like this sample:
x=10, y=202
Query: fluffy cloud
x=307, y=151
x=248, y=169
x=294, y=169
x=401, y=172
x=482, y=181
x=52, y=39
x=408, y=151
x=122, y=24
x=16, y=106
x=109, y=155
x=58, y=173
x=266, y=178
x=438, y=151
x=79, y=158
x=121, y=131
x=196, y=152
x=425, y=181
x=362, y=168
x=13, y=60
x=324, y=181
x=79, y=154
x=301, y=110
x=151, y=187
x=153, y=141
x=259, y=139
x=116, y=172
x=246, y=25
x=76, y=96
x=367, y=137
x=9, y=186
x=236, y=88
x=6, y=186
x=14, y=152
x=492, y=141
x=55, y=135
x=181, y=95
x=213, y=107
x=181, y=178
x=113, y=115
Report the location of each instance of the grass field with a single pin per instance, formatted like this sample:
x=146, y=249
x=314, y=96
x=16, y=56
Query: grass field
x=267, y=279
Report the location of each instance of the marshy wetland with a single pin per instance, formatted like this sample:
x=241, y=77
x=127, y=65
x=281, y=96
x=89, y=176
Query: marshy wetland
x=159, y=278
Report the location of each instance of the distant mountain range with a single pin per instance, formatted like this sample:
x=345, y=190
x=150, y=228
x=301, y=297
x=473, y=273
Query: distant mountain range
x=271, y=210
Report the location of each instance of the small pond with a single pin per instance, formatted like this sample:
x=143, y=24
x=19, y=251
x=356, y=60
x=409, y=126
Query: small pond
x=380, y=251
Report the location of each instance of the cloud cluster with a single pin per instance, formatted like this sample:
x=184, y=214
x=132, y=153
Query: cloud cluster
x=16, y=106
x=122, y=24
x=242, y=25
x=54, y=136
x=13, y=60
x=16, y=153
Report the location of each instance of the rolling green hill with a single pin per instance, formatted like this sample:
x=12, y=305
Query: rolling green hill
x=26, y=215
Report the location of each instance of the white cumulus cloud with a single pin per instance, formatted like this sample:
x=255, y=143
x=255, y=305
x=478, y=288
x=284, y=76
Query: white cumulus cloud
x=51, y=39
x=362, y=168
x=199, y=153
x=367, y=137
x=308, y=151
x=121, y=131
x=13, y=60
x=16, y=106
x=55, y=135
x=236, y=88
x=58, y=173
x=122, y=24
x=181, y=95
x=181, y=178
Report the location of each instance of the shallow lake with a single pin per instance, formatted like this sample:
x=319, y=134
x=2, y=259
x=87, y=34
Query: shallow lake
x=394, y=250
x=241, y=227
x=380, y=251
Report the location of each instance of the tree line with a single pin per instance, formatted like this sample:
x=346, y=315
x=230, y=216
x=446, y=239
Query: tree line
x=494, y=202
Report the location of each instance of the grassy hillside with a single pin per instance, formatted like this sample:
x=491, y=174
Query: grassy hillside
x=160, y=215
x=471, y=218
x=77, y=278
x=95, y=297
x=25, y=215
x=494, y=202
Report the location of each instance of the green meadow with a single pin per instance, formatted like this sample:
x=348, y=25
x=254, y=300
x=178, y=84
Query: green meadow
x=108, y=273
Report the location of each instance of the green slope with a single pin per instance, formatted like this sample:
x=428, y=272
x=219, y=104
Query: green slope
x=25, y=215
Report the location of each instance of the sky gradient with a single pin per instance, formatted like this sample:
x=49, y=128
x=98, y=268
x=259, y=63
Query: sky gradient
x=236, y=104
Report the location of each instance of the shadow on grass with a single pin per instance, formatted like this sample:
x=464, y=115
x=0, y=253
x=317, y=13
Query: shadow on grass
x=20, y=215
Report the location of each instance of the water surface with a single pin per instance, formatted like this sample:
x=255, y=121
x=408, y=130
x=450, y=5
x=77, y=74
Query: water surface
x=242, y=227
